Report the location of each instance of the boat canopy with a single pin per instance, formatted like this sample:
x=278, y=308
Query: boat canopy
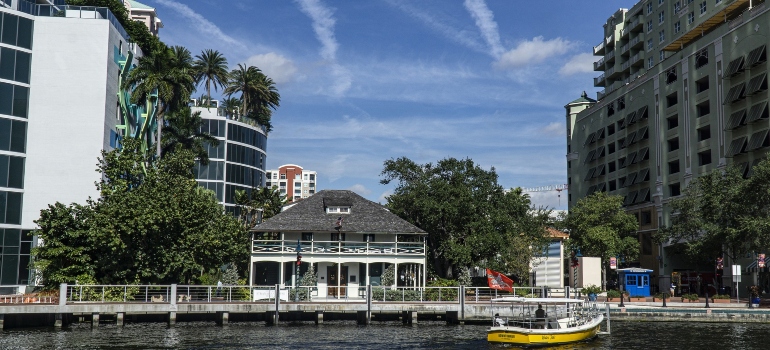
x=523, y=300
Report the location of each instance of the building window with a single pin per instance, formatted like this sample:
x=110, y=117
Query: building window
x=649, y=26
x=611, y=166
x=662, y=55
x=660, y=2
x=661, y=17
x=650, y=62
x=305, y=176
x=613, y=185
x=297, y=176
x=703, y=109
x=672, y=121
x=677, y=7
x=702, y=7
x=621, y=103
x=649, y=44
x=690, y=18
x=677, y=27
x=283, y=176
x=672, y=100
x=661, y=36
x=671, y=76
x=610, y=129
x=673, y=167
x=701, y=58
x=704, y=133
x=704, y=158
x=611, y=148
x=674, y=190
x=307, y=236
x=649, y=8
x=673, y=144
x=702, y=85
x=646, y=217
x=297, y=184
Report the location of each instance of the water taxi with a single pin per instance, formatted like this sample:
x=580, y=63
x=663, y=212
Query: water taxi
x=545, y=321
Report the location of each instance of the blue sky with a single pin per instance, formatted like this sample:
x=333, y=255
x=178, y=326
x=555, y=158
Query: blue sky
x=366, y=81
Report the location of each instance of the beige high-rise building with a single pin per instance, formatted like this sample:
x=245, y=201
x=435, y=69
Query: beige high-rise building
x=292, y=181
x=146, y=14
x=685, y=93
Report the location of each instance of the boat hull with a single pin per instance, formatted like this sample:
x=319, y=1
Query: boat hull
x=521, y=336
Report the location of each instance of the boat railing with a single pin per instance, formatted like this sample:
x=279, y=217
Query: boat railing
x=556, y=316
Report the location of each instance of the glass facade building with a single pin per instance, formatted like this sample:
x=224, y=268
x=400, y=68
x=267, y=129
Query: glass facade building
x=16, y=30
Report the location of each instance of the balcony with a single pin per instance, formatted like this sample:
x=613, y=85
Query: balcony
x=637, y=41
x=599, y=81
x=730, y=12
x=347, y=248
x=610, y=56
x=624, y=48
x=599, y=49
x=600, y=95
x=599, y=65
x=635, y=24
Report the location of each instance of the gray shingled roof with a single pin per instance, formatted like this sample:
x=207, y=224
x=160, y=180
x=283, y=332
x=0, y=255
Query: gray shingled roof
x=309, y=215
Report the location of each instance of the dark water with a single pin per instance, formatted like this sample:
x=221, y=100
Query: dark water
x=347, y=335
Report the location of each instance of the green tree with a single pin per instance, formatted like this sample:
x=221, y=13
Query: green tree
x=232, y=107
x=269, y=201
x=211, y=68
x=163, y=77
x=258, y=94
x=136, y=30
x=184, y=132
x=469, y=217
x=599, y=227
x=155, y=226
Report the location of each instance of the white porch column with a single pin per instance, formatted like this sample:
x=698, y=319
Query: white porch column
x=280, y=272
x=395, y=280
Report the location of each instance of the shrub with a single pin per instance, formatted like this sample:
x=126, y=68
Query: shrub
x=690, y=297
x=638, y=296
x=612, y=293
x=591, y=289
x=721, y=296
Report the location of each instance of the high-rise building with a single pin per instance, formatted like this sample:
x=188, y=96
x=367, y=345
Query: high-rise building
x=238, y=162
x=292, y=181
x=60, y=106
x=685, y=93
x=138, y=11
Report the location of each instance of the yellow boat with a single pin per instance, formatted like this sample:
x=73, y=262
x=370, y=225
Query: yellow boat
x=558, y=321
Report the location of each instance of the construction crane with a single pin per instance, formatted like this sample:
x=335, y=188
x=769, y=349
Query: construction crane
x=557, y=188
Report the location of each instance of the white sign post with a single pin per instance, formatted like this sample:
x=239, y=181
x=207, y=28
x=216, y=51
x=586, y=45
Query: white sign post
x=737, y=280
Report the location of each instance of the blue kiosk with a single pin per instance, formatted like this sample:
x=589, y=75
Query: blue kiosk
x=635, y=281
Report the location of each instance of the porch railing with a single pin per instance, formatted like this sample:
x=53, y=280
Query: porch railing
x=338, y=247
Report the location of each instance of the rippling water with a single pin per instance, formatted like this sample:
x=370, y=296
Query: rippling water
x=347, y=335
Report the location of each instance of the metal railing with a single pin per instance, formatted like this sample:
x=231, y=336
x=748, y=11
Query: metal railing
x=70, y=11
x=118, y=293
x=338, y=247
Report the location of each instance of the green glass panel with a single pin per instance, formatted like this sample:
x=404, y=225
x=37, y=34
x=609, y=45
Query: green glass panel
x=12, y=238
x=18, y=136
x=22, y=66
x=5, y=133
x=26, y=247
x=20, y=101
x=9, y=269
x=10, y=22
x=23, y=270
x=25, y=33
x=16, y=172
x=3, y=171
x=3, y=196
x=6, y=98
x=13, y=208
x=7, y=63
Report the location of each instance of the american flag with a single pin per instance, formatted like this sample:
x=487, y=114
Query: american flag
x=339, y=222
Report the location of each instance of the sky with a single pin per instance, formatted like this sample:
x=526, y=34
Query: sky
x=365, y=81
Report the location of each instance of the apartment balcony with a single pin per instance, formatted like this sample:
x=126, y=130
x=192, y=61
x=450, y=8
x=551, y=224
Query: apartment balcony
x=636, y=42
x=599, y=49
x=612, y=73
x=637, y=59
x=600, y=95
x=599, y=81
x=572, y=156
x=609, y=57
x=337, y=248
x=732, y=11
x=624, y=48
x=635, y=24
x=599, y=65
x=625, y=66
x=624, y=32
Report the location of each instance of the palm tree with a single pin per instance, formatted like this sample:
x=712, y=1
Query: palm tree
x=211, y=67
x=258, y=93
x=164, y=78
x=231, y=106
x=184, y=132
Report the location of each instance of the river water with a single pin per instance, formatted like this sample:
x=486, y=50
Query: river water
x=347, y=335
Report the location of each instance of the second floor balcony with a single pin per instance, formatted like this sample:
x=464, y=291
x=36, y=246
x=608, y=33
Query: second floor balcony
x=338, y=247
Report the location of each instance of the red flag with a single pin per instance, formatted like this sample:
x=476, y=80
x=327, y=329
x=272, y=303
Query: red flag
x=497, y=280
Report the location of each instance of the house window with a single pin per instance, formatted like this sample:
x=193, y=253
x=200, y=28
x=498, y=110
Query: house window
x=340, y=210
x=338, y=236
x=368, y=237
x=646, y=217
x=332, y=210
x=307, y=236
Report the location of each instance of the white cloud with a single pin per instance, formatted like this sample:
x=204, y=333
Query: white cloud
x=323, y=25
x=553, y=129
x=336, y=169
x=275, y=66
x=384, y=196
x=360, y=189
x=201, y=24
x=459, y=36
x=533, y=51
x=485, y=20
x=580, y=63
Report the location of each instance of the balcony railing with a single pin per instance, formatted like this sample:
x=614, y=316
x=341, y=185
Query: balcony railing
x=599, y=65
x=79, y=12
x=338, y=248
x=599, y=49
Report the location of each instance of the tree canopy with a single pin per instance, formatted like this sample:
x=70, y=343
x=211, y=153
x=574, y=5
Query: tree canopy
x=470, y=219
x=153, y=226
x=722, y=213
x=600, y=227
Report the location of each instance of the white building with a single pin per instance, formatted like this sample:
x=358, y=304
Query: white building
x=293, y=181
x=349, y=240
